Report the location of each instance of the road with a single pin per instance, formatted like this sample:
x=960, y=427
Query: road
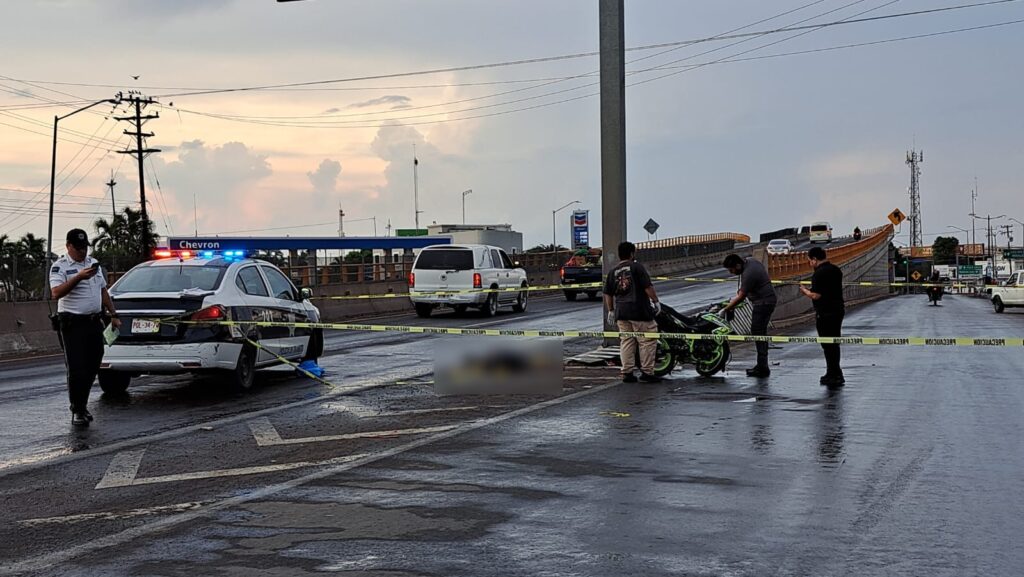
x=34, y=406
x=913, y=469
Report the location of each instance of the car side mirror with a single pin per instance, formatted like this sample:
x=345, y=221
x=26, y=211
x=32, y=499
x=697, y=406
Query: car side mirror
x=306, y=293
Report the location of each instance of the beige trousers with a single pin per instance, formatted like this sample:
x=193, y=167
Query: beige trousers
x=628, y=345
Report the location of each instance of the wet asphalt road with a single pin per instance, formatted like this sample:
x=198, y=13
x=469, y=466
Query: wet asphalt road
x=34, y=405
x=915, y=468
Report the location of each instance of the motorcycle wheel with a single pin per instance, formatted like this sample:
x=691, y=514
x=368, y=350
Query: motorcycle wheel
x=664, y=359
x=711, y=366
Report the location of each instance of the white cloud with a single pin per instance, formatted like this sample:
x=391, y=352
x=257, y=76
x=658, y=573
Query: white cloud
x=325, y=178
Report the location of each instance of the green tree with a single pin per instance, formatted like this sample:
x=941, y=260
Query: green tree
x=118, y=241
x=944, y=249
x=546, y=248
x=23, y=267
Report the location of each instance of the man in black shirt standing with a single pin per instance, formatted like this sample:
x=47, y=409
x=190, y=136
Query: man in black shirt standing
x=827, y=293
x=632, y=304
x=755, y=286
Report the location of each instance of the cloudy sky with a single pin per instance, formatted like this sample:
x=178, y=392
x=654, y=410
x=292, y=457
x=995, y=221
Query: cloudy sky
x=725, y=135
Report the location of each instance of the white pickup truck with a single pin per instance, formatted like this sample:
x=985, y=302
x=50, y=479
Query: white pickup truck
x=1010, y=293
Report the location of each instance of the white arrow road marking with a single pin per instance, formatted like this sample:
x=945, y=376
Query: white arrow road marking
x=267, y=436
x=119, y=476
x=112, y=515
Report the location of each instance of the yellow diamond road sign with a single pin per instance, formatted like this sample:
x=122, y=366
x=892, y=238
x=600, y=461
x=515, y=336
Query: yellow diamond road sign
x=916, y=275
x=896, y=217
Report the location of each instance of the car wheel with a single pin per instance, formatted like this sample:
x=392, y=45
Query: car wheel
x=114, y=382
x=490, y=308
x=570, y=295
x=315, y=349
x=522, y=301
x=241, y=378
x=423, y=310
x=998, y=304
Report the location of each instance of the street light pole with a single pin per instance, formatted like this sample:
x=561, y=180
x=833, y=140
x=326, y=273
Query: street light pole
x=967, y=236
x=464, y=193
x=554, y=243
x=53, y=178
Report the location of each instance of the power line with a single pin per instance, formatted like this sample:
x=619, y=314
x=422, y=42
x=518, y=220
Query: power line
x=189, y=91
x=686, y=68
x=332, y=223
x=83, y=148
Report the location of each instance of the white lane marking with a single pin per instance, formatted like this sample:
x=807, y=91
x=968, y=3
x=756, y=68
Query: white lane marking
x=122, y=469
x=364, y=412
x=34, y=463
x=111, y=515
x=128, y=478
x=267, y=436
x=47, y=560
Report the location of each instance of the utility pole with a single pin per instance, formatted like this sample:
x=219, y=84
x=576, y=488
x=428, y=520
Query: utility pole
x=1008, y=231
x=341, y=222
x=612, y=41
x=140, y=152
x=914, y=159
x=113, y=208
x=974, y=196
x=416, y=186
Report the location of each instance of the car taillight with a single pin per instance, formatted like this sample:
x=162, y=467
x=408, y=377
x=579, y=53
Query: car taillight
x=561, y=273
x=412, y=280
x=478, y=281
x=214, y=313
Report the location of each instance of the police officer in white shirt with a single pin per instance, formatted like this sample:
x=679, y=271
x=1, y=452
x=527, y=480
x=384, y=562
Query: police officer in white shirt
x=77, y=281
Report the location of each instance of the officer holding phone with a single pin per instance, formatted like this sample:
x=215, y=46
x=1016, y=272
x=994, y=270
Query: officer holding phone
x=77, y=281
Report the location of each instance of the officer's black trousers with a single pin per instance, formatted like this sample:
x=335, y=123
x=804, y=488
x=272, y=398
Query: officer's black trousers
x=83, y=349
x=831, y=325
x=762, y=315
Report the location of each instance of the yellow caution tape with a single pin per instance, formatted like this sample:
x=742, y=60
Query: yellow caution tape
x=582, y=287
x=883, y=341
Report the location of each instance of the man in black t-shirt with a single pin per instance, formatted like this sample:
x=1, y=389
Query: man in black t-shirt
x=827, y=293
x=632, y=304
x=756, y=287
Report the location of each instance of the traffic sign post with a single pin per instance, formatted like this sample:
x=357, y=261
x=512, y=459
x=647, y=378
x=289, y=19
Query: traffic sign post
x=969, y=271
x=651, y=226
x=896, y=217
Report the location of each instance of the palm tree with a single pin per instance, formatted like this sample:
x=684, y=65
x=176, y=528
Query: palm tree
x=119, y=241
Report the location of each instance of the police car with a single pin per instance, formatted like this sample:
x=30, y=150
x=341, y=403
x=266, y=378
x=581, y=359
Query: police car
x=208, y=287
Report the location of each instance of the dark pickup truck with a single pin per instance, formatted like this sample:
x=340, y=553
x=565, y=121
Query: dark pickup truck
x=584, y=271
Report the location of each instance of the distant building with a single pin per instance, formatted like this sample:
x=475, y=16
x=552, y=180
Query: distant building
x=500, y=235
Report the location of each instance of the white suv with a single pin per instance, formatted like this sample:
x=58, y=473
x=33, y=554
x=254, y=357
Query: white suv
x=458, y=276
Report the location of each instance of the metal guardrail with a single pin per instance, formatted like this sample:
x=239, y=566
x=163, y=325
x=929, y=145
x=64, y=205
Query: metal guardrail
x=647, y=251
x=787, y=266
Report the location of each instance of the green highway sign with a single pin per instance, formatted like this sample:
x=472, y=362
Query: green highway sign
x=410, y=232
x=1013, y=253
x=969, y=270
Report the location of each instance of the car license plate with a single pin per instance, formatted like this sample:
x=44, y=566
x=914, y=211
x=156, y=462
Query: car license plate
x=144, y=327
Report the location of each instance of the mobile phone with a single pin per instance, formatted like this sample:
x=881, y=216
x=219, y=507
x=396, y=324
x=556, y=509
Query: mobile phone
x=95, y=265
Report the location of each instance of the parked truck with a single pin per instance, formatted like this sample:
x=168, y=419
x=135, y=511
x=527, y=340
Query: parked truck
x=1009, y=293
x=582, y=271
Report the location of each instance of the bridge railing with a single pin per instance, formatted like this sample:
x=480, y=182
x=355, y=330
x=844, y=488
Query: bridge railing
x=647, y=251
x=786, y=266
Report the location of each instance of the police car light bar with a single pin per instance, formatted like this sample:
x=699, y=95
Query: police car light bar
x=162, y=253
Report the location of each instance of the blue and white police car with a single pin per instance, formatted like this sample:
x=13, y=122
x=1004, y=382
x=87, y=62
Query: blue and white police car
x=209, y=287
